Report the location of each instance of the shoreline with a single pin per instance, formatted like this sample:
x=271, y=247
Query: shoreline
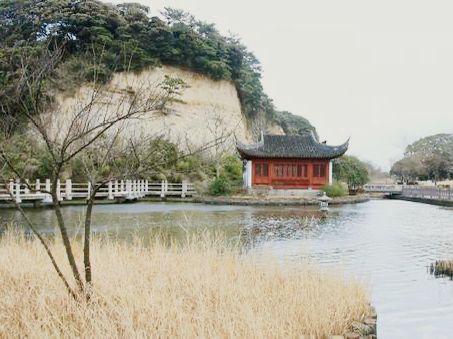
x=211, y=200
x=280, y=201
x=436, y=202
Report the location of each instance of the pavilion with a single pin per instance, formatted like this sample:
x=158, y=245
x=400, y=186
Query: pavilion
x=289, y=162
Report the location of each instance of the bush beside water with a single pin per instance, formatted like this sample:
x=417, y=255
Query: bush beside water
x=335, y=190
x=230, y=178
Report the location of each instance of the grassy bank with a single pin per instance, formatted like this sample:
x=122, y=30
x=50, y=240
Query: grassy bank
x=199, y=289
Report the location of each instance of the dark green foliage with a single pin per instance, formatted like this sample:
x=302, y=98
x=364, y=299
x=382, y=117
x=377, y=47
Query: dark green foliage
x=124, y=37
x=230, y=178
x=350, y=170
x=220, y=186
x=29, y=159
x=294, y=124
x=232, y=170
x=427, y=158
x=335, y=190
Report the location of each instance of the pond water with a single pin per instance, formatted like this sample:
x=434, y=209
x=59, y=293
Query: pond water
x=388, y=243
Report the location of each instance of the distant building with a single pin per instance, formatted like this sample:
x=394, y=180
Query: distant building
x=289, y=161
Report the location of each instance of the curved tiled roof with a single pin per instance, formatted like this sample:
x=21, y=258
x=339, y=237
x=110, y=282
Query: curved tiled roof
x=291, y=146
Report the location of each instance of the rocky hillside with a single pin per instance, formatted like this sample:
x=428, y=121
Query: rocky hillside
x=206, y=109
x=120, y=44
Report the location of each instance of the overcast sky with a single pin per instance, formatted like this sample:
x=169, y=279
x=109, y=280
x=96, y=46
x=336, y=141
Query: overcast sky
x=380, y=72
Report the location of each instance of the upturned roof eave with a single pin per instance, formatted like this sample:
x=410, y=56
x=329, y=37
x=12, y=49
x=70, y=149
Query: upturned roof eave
x=255, y=151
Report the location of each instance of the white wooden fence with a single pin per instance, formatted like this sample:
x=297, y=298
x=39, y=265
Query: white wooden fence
x=67, y=190
x=383, y=188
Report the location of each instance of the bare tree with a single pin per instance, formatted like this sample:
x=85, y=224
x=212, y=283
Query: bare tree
x=89, y=129
x=222, y=137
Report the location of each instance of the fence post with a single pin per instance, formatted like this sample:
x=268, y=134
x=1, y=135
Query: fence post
x=27, y=186
x=116, y=187
x=48, y=198
x=11, y=186
x=59, y=190
x=166, y=185
x=68, y=189
x=183, y=189
x=110, y=197
x=128, y=189
x=18, y=198
x=89, y=190
x=38, y=186
x=146, y=186
x=162, y=189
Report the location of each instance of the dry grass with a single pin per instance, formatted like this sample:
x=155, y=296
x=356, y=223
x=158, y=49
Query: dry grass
x=200, y=289
x=443, y=268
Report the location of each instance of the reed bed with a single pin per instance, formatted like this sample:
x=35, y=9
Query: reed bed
x=200, y=288
x=442, y=268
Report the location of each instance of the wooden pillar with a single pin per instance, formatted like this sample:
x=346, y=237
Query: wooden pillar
x=116, y=187
x=27, y=186
x=330, y=164
x=146, y=186
x=68, y=189
x=38, y=186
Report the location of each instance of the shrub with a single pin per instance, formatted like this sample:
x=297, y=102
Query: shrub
x=337, y=189
x=350, y=170
x=232, y=170
x=220, y=186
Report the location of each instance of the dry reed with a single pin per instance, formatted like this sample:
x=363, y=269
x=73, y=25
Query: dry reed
x=199, y=289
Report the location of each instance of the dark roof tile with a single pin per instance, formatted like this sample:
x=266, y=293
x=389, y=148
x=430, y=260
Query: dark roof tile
x=291, y=146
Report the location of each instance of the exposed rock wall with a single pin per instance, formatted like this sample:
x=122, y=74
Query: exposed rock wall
x=206, y=109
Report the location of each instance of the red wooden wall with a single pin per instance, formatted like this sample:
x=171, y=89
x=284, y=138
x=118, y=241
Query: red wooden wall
x=290, y=173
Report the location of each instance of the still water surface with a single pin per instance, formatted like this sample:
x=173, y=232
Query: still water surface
x=388, y=243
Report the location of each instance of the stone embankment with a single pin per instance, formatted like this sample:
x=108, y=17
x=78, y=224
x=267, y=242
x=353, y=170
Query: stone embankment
x=250, y=200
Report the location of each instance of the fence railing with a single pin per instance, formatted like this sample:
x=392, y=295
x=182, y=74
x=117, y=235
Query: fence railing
x=384, y=188
x=431, y=193
x=118, y=189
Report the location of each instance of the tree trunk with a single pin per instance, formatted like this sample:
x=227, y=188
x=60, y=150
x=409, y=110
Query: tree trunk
x=65, y=237
x=86, y=243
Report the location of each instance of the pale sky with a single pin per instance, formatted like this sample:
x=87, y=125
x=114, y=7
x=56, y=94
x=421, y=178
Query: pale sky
x=380, y=72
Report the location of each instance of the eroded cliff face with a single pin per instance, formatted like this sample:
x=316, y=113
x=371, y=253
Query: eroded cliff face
x=205, y=111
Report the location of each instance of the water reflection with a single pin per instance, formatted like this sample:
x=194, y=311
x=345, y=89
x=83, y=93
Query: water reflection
x=388, y=243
